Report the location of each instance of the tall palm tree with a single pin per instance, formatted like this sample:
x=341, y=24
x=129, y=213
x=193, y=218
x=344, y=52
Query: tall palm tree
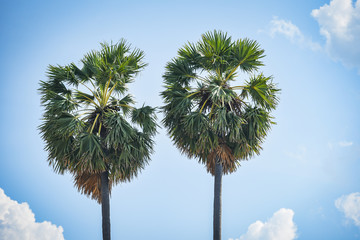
x=90, y=126
x=209, y=119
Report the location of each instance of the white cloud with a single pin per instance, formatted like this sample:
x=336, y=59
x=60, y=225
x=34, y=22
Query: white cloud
x=350, y=206
x=345, y=144
x=334, y=145
x=286, y=28
x=279, y=227
x=340, y=25
x=17, y=222
x=292, y=32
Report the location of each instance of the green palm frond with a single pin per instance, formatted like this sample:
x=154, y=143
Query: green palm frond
x=179, y=72
x=262, y=91
x=145, y=117
x=247, y=54
x=90, y=153
x=119, y=130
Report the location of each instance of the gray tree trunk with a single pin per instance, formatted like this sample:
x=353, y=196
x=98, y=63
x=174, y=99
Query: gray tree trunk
x=105, y=205
x=217, y=201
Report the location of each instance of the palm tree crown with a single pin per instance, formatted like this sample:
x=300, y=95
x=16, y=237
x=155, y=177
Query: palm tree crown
x=208, y=118
x=90, y=125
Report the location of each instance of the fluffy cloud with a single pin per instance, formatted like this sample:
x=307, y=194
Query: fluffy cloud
x=350, y=206
x=292, y=32
x=286, y=28
x=279, y=227
x=17, y=222
x=340, y=25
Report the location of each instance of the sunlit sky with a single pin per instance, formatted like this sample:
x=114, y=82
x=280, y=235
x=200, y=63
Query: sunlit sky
x=305, y=184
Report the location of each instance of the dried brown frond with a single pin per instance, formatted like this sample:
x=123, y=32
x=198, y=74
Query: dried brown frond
x=90, y=184
x=225, y=155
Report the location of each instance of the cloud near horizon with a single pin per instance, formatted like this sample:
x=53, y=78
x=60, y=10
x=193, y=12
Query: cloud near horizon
x=17, y=222
x=350, y=206
x=279, y=227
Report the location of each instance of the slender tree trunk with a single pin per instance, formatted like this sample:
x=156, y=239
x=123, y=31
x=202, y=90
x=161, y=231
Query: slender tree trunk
x=105, y=205
x=217, y=201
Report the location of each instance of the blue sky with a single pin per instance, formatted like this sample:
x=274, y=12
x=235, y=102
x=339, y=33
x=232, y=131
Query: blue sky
x=305, y=183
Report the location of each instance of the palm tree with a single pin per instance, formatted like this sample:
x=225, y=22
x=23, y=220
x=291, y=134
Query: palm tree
x=90, y=126
x=206, y=117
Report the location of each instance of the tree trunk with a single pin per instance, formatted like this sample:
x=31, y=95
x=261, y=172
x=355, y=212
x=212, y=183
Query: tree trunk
x=217, y=201
x=105, y=205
